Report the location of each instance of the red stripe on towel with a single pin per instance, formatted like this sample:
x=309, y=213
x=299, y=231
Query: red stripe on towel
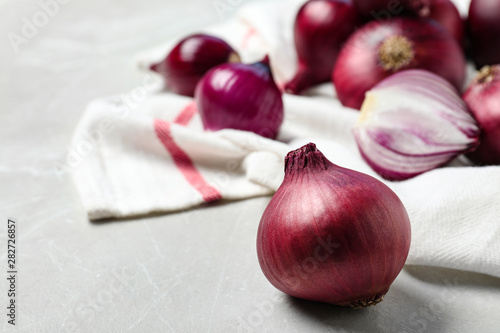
x=184, y=163
x=181, y=159
x=246, y=38
x=186, y=114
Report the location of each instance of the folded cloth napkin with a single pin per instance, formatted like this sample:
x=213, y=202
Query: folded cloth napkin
x=152, y=155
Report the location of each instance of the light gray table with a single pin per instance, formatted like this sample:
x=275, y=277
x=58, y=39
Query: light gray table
x=195, y=271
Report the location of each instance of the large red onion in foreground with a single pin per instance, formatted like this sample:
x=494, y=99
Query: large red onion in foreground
x=190, y=59
x=380, y=49
x=332, y=234
x=443, y=11
x=321, y=26
x=240, y=96
x=413, y=122
x=484, y=31
x=483, y=99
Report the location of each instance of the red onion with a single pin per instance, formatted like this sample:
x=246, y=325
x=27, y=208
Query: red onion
x=484, y=31
x=380, y=49
x=483, y=99
x=321, y=26
x=412, y=122
x=240, y=96
x=443, y=11
x=190, y=59
x=332, y=234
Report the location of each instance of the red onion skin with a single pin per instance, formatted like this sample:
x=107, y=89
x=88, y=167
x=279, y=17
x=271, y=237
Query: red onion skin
x=359, y=66
x=190, y=59
x=447, y=14
x=331, y=234
x=384, y=9
x=240, y=96
x=483, y=99
x=321, y=27
x=443, y=11
x=484, y=31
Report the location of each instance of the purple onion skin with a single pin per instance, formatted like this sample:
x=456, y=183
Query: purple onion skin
x=190, y=59
x=241, y=96
x=331, y=234
x=483, y=99
x=447, y=14
x=484, y=31
x=321, y=27
x=359, y=66
x=442, y=11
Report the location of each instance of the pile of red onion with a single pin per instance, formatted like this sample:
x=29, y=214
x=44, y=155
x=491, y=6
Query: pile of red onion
x=332, y=234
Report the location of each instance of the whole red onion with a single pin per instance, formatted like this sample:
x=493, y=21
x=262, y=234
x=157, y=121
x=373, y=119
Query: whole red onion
x=321, y=26
x=331, y=234
x=483, y=99
x=240, y=96
x=190, y=59
x=443, y=11
x=484, y=31
x=380, y=49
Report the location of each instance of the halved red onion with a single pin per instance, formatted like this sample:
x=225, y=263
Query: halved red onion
x=483, y=99
x=331, y=234
x=443, y=11
x=321, y=27
x=413, y=122
x=380, y=49
x=240, y=96
x=484, y=31
x=190, y=59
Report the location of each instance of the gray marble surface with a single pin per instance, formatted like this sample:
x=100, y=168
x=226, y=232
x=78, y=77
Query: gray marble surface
x=193, y=271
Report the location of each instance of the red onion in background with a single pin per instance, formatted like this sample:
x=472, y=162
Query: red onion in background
x=240, y=96
x=443, y=11
x=447, y=14
x=321, y=26
x=190, y=59
x=483, y=99
x=331, y=234
x=412, y=122
x=380, y=49
x=484, y=31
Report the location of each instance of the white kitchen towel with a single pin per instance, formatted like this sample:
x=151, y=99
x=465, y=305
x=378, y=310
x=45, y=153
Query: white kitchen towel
x=152, y=155
x=146, y=159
